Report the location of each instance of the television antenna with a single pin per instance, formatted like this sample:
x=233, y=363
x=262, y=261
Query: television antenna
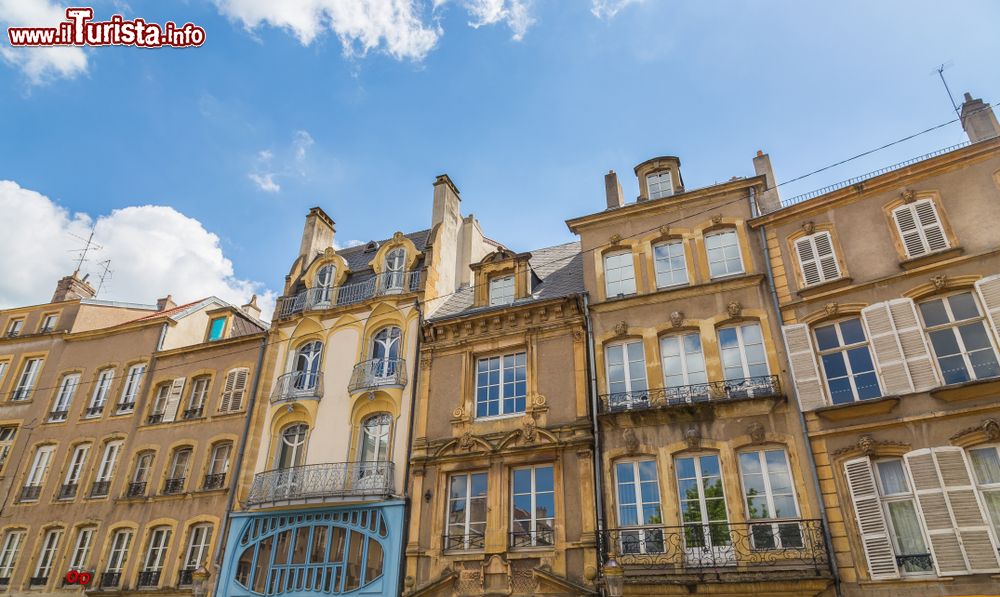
x=89, y=245
x=106, y=273
x=940, y=71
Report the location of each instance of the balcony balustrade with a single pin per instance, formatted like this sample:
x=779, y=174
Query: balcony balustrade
x=298, y=385
x=38, y=581
x=148, y=578
x=136, y=489
x=377, y=373
x=194, y=413
x=110, y=580
x=57, y=416
x=322, y=481
x=713, y=391
x=465, y=541
x=30, y=493
x=185, y=578
x=214, y=481
x=100, y=489
x=173, y=486
x=67, y=491
x=349, y=294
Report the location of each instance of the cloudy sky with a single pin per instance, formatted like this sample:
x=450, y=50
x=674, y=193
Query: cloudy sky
x=195, y=167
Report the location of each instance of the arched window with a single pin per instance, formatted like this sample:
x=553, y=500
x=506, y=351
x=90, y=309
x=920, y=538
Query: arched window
x=291, y=446
x=395, y=262
x=324, y=283
x=375, y=438
x=385, y=352
x=307, y=360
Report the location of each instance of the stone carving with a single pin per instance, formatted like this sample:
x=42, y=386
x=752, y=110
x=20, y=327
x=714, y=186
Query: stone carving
x=677, y=319
x=734, y=309
x=529, y=432
x=615, y=239
x=717, y=219
x=425, y=361
x=693, y=437
x=577, y=336
x=458, y=413
x=939, y=282
x=908, y=195
x=831, y=309
x=665, y=230
x=991, y=429
x=756, y=432
x=631, y=440
x=538, y=401
x=809, y=227
x=466, y=442
x=867, y=445
x=621, y=328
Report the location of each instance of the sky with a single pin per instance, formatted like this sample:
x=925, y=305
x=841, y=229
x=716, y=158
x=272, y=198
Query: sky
x=195, y=167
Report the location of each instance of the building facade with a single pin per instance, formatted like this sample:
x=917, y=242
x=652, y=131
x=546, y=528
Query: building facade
x=120, y=425
x=321, y=508
x=502, y=464
x=889, y=292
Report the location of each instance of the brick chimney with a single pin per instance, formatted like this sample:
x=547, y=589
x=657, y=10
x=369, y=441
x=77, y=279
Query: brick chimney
x=251, y=308
x=165, y=303
x=769, y=200
x=613, y=190
x=316, y=236
x=978, y=119
x=73, y=287
x=447, y=201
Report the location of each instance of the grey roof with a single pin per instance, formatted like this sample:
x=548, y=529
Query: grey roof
x=560, y=269
x=359, y=259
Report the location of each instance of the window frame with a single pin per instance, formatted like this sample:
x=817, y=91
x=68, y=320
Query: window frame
x=626, y=360
x=205, y=530
x=686, y=371
x=657, y=260
x=78, y=560
x=64, y=398
x=44, y=326
x=10, y=554
x=130, y=388
x=628, y=264
x=160, y=556
x=109, y=460
x=741, y=346
x=47, y=552
x=118, y=553
x=26, y=381
x=502, y=398
x=920, y=229
x=817, y=260
x=14, y=327
x=843, y=348
x=725, y=260
x=953, y=325
x=911, y=496
x=533, y=520
x=469, y=542
x=656, y=178
x=76, y=463
x=216, y=331
x=499, y=285
x=34, y=474
x=986, y=487
x=102, y=387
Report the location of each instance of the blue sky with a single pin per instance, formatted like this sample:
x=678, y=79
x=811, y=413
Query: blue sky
x=526, y=112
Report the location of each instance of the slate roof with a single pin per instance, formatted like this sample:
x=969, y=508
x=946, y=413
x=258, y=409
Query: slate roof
x=560, y=269
x=359, y=259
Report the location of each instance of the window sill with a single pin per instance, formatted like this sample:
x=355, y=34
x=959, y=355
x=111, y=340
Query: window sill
x=822, y=287
x=854, y=410
x=504, y=417
x=969, y=390
x=923, y=260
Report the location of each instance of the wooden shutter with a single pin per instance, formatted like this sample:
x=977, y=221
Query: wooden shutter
x=173, y=400
x=959, y=533
x=930, y=225
x=235, y=388
x=817, y=258
x=808, y=385
x=912, y=340
x=886, y=349
x=871, y=519
x=807, y=261
x=989, y=297
x=920, y=228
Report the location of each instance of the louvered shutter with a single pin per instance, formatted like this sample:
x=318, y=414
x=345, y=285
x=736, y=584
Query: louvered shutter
x=886, y=349
x=828, y=265
x=913, y=341
x=807, y=261
x=920, y=228
x=989, y=296
x=808, y=384
x=930, y=225
x=173, y=400
x=239, y=389
x=871, y=520
x=959, y=534
x=227, y=392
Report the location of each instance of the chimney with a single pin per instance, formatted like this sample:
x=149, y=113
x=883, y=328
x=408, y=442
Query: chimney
x=73, y=287
x=978, y=119
x=316, y=236
x=165, y=303
x=613, y=190
x=251, y=309
x=446, y=201
x=769, y=200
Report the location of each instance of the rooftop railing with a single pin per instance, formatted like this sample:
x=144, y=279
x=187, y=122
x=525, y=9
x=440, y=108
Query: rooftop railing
x=375, y=373
x=298, y=385
x=383, y=284
x=322, y=481
x=712, y=391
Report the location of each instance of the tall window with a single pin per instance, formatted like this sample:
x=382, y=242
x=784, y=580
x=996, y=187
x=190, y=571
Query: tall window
x=534, y=510
x=770, y=495
x=216, y=329
x=639, y=506
x=960, y=339
x=920, y=228
x=49, y=323
x=12, y=543
x=817, y=259
x=683, y=368
x=626, y=364
x=847, y=361
x=385, y=352
x=670, y=265
x=218, y=465
x=501, y=290
x=724, y=257
x=81, y=549
x=660, y=184
x=39, y=466
x=395, y=265
x=159, y=404
x=619, y=274
x=324, y=283
x=307, y=362
x=156, y=554
x=7, y=433
x=375, y=438
x=466, y=511
x=14, y=327
x=912, y=554
x=133, y=381
x=102, y=482
x=100, y=395
x=46, y=556
x=178, y=471
x=292, y=448
x=744, y=361
x=501, y=385
x=64, y=398
x=197, y=548
x=703, y=504
x=3, y=369
x=118, y=556
x=234, y=389
x=986, y=464
x=26, y=381
x=140, y=474
x=74, y=471
x=196, y=401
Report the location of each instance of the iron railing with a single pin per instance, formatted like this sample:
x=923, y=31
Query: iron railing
x=194, y=413
x=4, y=581
x=110, y=580
x=185, y=578
x=336, y=296
x=100, y=489
x=67, y=491
x=713, y=391
x=126, y=407
x=57, y=416
x=319, y=481
x=172, y=486
x=535, y=538
x=375, y=373
x=464, y=541
x=30, y=493
x=214, y=481
x=148, y=578
x=154, y=418
x=918, y=562
x=93, y=411
x=298, y=385
x=785, y=545
x=38, y=581
x=136, y=489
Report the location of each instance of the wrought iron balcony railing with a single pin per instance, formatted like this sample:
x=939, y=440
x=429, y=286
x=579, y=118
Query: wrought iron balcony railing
x=215, y=481
x=126, y=407
x=298, y=385
x=321, y=481
x=918, y=562
x=148, y=578
x=784, y=545
x=58, y=416
x=110, y=580
x=713, y=391
x=154, y=418
x=377, y=373
x=100, y=489
x=537, y=538
x=67, y=491
x=30, y=493
x=185, y=578
x=336, y=296
x=464, y=541
x=38, y=581
x=93, y=411
x=172, y=486
x=136, y=489
x=193, y=413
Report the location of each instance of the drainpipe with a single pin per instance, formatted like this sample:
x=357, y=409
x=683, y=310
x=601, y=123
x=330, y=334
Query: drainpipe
x=802, y=418
x=238, y=466
x=598, y=458
x=405, y=538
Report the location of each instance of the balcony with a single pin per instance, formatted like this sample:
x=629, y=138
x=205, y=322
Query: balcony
x=297, y=385
x=93, y=411
x=30, y=493
x=173, y=486
x=318, y=482
x=193, y=413
x=110, y=580
x=713, y=391
x=214, y=481
x=58, y=416
x=125, y=407
x=38, y=581
x=349, y=294
x=185, y=578
x=722, y=551
x=148, y=579
x=154, y=419
x=378, y=373
x=470, y=541
x=136, y=489
x=100, y=489
x=67, y=491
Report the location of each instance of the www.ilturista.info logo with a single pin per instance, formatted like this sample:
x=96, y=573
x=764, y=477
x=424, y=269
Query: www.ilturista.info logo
x=79, y=29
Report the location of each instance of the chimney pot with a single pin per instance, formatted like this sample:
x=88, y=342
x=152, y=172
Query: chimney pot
x=613, y=190
x=760, y=152
x=978, y=119
x=769, y=200
x=251, y=309
x=165, y=303
x=968, y=96
x=73, y=287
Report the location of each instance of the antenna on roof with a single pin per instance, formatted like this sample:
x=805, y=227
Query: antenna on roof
x=89, y=244
x=107, y=273
x=940, y=71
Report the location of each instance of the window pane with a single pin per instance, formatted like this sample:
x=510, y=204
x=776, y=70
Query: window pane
x=986, y=463
x=934, y=313
x=893, y=477
x=963, y=306
x=906, y=528
x=826, y=337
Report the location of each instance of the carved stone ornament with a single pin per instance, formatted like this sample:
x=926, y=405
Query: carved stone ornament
x=398, y=236
x=809, y=227
x=425, y=361
x=908, y=195
x=631, y=441
x=458, y=413
x=538, y=401
x=991, y=428
x=756, y=432
x=577, y=336
x=665, y=230
x=693, y=437
x=717, y=219
x=677, y=319
x=615, y=239
x=734, y=309
x=529, y=432
x=466, y=442
x=329, y=252
x=939, y=282
x=831, y=309
x=867, y=445
x=621, y=328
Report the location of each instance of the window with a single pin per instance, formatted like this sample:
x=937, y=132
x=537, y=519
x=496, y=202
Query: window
x=986, y=464
x=619, y=275
x=73, y=472
x=724, y=257
x=7, y=434
x=104, y=379
x=817, y=260
x=292, y=449
x=118, y=555
x=375, y=438
x=232, y=394
x=626, y=364
x=178, y=471
x=501, y=385
x=467, y=511
x=770, y=495
x=847, y=361
x=324, y=283
x=395, y=263
x=50, y=543
x=744, y=360
x=159, y=404
x=660, y=184
x=534, y=507
x=959, y=337
x=133, y=381
x=26, y=381
x=218, y=466
x=14, y=327
x=912, y=554
x=197, y=548
x=217, y=328
x=140, y=474
x=102, y=483
x=64, y=397
x=683, y=368
x=49, y=323
x=703, y=505
x=670, y=264
x=920, y=228
x=39, y=466
x=385, y=354
x=196, y=401
x=501, y=290
x=3, y=369
x=156, y=554
x=639, y=506
x=81, y=550
x=12, y=543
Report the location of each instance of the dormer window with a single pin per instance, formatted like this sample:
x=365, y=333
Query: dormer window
x=395, y=264
x=217, y=329
x=14, y=327
x=660, y=184
x=49, y=323
x=501, y=290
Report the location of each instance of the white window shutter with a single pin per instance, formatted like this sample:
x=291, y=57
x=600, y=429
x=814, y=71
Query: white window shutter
x=971, y=519
x=239, y=388
x=989, y=297
x=930, y=225
x=871, y=520
x=912, y=340
x=807, y=261
x=173, y=400
x=920, y=228
x=227, y=391
x=826, y=256
x=909, y=232
x=808, y=385
x=886, y=349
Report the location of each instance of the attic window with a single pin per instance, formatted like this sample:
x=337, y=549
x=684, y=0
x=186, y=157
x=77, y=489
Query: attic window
x=217, y=329
x=371, y=246
x=501, y=290
x=660, y=184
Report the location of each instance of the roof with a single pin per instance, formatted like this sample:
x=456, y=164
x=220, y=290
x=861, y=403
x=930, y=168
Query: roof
x=560, y=269
x=243, y=324
x=359, y=259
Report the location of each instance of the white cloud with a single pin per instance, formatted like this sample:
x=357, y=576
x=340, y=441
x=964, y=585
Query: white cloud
x=302, y=142
x=515, y=13
x=154, y=251
x=607, y=9
x=40, y=65
x=265, y=182
x=346, y=244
